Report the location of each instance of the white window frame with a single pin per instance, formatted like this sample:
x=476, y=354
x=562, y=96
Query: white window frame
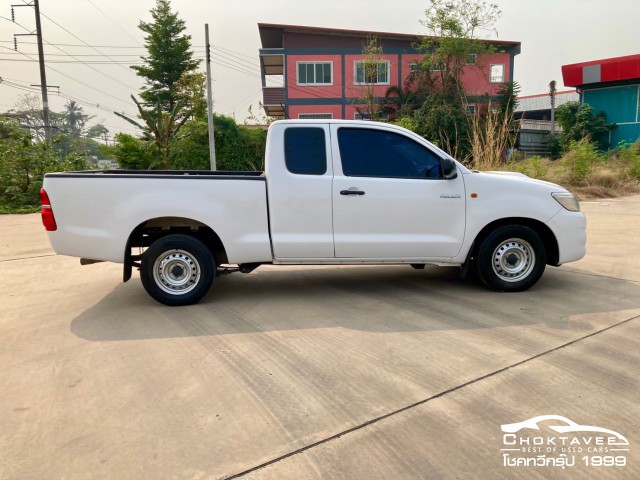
x=315, y=84
x=301, y=116
x=491, y=78
x=471, y=109
x=355, y=73
x=414, y=67
x=475, y=59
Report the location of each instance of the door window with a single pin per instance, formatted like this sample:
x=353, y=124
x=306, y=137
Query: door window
x=377, y=153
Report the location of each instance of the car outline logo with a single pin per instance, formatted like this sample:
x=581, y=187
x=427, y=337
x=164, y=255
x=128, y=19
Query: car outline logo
x=571, y=426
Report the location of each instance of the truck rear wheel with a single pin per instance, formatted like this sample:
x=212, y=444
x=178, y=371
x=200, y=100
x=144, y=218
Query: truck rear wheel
x=511, y=259
x=177, y=270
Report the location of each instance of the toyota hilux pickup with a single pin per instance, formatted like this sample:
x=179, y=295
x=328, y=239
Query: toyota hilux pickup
x=333, y=192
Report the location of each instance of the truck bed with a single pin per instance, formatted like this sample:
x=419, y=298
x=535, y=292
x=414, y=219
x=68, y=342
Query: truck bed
x=162, y=173
x=97, y=210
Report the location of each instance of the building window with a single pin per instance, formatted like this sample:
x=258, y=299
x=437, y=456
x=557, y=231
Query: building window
x=315, y=73
x=496, y=74
x=379, y=74
x=315, y=116
x=305, y=151
x=437, y=67
x=379, y=153
x=471, y=59
x=471, y=109
x=414, y=67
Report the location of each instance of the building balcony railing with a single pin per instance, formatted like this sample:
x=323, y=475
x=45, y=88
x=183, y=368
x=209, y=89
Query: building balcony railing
x=273, y=101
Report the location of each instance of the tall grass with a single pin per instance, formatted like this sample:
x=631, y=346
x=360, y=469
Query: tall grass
x=587, y=172
x=491, y=135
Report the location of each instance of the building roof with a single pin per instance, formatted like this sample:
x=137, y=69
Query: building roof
x=271, y=34
x=617, y=69
x=542, y=101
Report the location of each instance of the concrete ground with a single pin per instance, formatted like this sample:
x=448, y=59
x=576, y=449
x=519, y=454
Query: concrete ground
x=309, y=373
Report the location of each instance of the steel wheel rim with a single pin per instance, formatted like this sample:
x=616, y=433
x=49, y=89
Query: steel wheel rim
x=513, y=260
x=176, y=272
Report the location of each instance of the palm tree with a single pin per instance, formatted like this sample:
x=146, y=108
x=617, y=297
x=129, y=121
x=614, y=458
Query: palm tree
x=75, y=118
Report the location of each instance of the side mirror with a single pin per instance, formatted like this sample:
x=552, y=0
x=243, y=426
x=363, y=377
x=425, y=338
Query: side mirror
x=449, y=169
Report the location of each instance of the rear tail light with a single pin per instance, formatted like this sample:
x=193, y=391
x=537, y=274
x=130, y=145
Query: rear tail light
x=48, y=220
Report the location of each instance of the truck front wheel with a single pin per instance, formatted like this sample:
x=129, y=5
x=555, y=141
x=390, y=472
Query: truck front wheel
x=177, y=270
x=511, y=259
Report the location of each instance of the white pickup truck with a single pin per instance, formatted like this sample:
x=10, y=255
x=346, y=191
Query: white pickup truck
x=334, y=192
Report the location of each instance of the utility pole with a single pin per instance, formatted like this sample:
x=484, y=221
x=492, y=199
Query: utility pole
x=212, y=143
x=552, y=94
x=43, y=74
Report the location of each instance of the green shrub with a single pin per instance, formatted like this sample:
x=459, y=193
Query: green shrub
x=407, y=122
x=533, y=167
x=554, y=142
x=23, y=165
x=580, y=160
x=627, y=157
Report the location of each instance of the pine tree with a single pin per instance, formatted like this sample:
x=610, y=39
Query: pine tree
x=169, y=57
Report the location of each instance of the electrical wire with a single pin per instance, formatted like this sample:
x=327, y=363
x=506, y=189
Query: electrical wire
x=65, y=96
x=75, y=36
x=225, y=56
x=246, y=100
x=75, y=44
x=15, y=83
x=115, y=23
x=86, y=55
x=75, y=79
x=88, y=64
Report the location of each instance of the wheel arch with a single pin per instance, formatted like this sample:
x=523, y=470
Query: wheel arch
x=546, y=234
x=147, y=232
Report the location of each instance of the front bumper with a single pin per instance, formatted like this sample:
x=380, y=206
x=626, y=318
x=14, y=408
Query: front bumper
x=570, y=229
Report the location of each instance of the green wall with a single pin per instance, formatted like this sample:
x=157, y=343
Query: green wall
x=621, y=106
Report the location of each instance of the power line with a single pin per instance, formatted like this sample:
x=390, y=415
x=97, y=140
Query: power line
x=20, y=84
x=232, y=57
x=92, y=62
x=77, y=38
x=75, y=79
x=76, y=44
x=234, y=51
x=246, y=100
x=114, y=22
x=84, y=55
x=51, y=68
x=87, y=64
x=197, y=48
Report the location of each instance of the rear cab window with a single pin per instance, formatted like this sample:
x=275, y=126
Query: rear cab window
x=305, y=150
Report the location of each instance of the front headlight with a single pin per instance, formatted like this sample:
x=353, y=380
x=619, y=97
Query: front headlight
x=567, y=200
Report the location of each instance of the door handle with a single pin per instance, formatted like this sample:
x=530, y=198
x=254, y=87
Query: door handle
x=351, y=192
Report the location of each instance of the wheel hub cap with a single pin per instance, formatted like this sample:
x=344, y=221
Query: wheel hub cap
x=176, y=272
x=513, y=260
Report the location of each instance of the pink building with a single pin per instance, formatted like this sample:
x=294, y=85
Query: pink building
x=321, y=72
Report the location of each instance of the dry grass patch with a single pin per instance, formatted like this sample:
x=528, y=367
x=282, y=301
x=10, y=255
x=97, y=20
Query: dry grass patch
x=586, y=172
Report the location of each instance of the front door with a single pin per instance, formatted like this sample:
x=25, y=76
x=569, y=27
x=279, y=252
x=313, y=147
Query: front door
x=390, y=200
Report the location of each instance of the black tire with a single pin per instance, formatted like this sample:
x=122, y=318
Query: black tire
x=177, y=270
x=511, y=259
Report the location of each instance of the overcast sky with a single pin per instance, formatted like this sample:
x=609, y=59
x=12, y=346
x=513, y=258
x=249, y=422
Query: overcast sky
x=552, y=32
